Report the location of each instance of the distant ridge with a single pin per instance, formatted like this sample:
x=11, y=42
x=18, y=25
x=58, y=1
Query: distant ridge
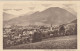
x=7, y=16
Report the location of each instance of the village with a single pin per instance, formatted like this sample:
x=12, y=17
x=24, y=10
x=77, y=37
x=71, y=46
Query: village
x=16, y=35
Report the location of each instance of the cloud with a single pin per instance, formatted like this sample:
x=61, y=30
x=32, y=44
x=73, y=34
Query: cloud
x=31, y=8
x=6, y=9
x=46, y=5
x=17, y=9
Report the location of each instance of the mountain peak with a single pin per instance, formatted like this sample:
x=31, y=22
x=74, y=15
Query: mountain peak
x=52, y=15
x=54, y=8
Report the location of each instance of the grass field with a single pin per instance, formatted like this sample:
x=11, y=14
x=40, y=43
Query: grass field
x=63, y=42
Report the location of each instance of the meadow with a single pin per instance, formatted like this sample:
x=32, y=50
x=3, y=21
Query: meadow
x=62, y=42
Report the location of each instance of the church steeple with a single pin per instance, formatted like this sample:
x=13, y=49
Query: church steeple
x=51, y=27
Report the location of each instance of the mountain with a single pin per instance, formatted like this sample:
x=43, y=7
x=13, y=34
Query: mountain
x=7, y=16
x=52, y=15
x=74, y=21
x=72, y=24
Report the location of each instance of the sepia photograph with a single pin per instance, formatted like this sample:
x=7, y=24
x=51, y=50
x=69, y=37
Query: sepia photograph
x=39, y=0
x=40, y=25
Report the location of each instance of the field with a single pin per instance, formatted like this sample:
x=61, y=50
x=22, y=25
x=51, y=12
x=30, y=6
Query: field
x=63, y=42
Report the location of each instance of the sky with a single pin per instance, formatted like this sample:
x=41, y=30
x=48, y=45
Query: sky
x=20, y=8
